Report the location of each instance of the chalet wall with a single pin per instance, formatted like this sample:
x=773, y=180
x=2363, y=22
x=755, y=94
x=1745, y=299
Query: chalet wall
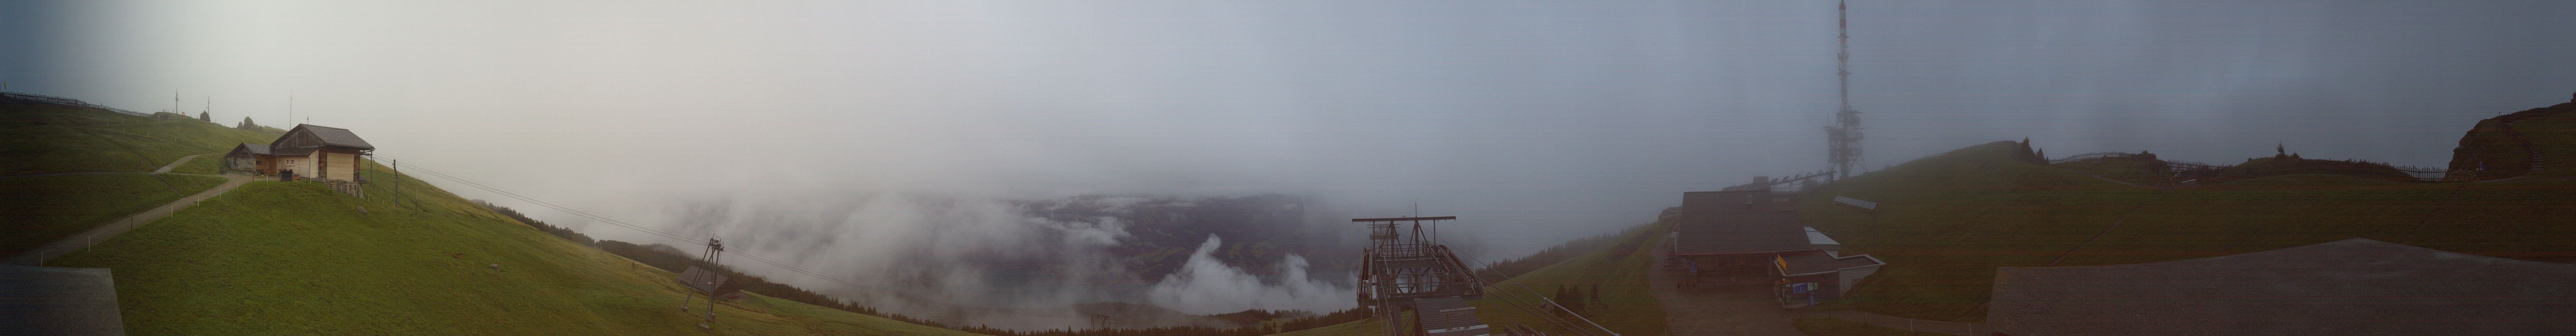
x=302, y=165
x=341, y=166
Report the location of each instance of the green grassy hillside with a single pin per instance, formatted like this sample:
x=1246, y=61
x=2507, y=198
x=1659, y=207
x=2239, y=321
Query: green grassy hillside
x=54, y=164
x=1627, y=305
x=46, y=138
x=297, y=258
x=1945, y=222
x=2504, y=145
x=2279, y=165
x=41, y=209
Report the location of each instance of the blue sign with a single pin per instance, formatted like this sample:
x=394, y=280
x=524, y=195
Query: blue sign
x=1799, y=287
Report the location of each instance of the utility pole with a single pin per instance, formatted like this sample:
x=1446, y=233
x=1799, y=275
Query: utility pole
x=398, y=182
x=1843, y=137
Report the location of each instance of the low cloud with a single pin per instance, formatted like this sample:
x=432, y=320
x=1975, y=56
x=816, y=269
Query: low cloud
x=967, y=251
x=1207, y=286
x=1040, y=257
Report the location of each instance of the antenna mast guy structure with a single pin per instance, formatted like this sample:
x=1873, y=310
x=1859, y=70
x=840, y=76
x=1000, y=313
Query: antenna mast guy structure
x=1417, y=273
x=1843, y=138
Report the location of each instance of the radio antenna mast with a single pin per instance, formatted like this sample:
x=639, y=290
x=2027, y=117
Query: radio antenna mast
x=1843, y=137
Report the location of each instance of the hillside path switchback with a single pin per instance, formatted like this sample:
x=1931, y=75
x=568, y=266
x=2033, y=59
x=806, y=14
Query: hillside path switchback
x=110, y=229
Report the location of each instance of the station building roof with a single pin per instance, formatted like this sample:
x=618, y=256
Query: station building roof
x=1730, y=222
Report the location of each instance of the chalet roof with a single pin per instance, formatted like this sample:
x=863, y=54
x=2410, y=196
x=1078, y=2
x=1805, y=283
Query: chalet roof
x=332, y=136
x=1724, y=222
x=253, y=148
x=2346, y=287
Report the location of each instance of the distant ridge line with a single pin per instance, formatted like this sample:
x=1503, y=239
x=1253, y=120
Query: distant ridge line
x=68, y=101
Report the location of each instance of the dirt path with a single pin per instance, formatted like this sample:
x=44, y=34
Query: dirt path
x=2126, y=183
x=1729, y=310
x=165, y=169
x=103, y=232
x=1750, y=310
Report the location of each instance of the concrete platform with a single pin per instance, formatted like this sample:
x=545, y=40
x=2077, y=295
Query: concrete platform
x=58, y=301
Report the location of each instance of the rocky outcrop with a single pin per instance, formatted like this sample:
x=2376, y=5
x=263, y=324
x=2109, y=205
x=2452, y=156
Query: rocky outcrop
x=2518, y=144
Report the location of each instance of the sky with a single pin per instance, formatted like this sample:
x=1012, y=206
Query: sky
x=1534, y=121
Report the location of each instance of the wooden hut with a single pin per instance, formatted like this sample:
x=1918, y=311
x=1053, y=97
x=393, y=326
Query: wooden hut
x=251, y=158
x=327, y=154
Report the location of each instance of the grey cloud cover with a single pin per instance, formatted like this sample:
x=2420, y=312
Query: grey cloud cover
x=1537, y=121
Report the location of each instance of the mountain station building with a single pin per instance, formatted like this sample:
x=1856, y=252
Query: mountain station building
x=1754, y=237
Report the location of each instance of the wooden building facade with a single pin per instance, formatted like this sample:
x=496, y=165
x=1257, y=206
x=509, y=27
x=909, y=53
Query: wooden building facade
x=330, y=155
x=1753, y=238
x=251, y=158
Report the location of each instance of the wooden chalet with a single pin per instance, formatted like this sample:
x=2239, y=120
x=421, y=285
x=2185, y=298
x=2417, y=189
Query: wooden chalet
x=307, y=152
x=1752, y=237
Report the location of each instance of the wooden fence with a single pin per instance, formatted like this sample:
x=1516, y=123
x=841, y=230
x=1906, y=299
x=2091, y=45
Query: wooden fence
x=84, y=240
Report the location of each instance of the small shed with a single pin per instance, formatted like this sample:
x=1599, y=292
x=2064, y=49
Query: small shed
x=252, y=158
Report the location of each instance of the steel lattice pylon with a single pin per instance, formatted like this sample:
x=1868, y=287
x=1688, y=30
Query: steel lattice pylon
x=1843, y=137
x=1397, y=270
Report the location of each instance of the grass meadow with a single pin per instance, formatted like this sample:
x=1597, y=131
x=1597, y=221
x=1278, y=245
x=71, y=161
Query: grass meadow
x=1945, y=222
